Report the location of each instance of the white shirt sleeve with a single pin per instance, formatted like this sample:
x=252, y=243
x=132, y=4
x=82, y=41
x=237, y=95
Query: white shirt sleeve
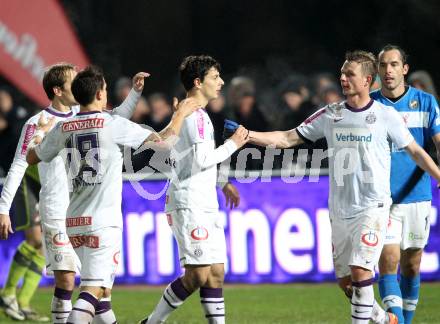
x=127, y=108
x=206, y=157
x=312, y=129
x=51, y=145
x=127, y=133
x=397, y=130
x=17, y=169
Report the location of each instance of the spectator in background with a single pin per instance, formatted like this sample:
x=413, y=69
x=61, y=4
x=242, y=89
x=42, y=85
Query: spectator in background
x=296, y=103
x=331, y=94
x=160, y=111
x=320, y=82
x=122, y=88
x=423, y=81
x=12, y=119
x=243, y=104
x=141, y=111
x=215, y=110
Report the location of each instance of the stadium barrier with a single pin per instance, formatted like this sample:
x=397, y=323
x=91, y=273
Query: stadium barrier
x=280, y=233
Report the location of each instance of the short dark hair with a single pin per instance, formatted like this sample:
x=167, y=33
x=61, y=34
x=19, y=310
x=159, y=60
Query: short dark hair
x=55, y=76
x=196, y=67
x=367, y=60
x=390, y=47
x=86, y=84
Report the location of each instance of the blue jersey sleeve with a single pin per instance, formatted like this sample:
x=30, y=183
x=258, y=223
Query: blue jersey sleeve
x=434, y=115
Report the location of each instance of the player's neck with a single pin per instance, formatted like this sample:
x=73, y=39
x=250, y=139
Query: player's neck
x=393, y=93
x=59, y=106
x=94, y=106
x=359, y=100
x=199, y=97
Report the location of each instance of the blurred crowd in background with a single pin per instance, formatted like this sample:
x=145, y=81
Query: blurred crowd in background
x=246, y=99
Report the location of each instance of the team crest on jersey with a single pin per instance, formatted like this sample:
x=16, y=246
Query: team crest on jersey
x=413, y=104
x=371, y=118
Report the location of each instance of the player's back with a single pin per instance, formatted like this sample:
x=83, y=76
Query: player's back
x=90, y=143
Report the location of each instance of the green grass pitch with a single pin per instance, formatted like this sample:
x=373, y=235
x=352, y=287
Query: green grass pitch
x=252, y=304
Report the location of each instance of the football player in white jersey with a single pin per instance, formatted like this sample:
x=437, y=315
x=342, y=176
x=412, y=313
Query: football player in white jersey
x=91, y=142
x=54, y=195
x=357, y=131
x=192, y=205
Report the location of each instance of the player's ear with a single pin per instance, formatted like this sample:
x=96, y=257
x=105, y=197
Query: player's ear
x=405, y=69
x=99, y=94
x=369, y=78
x=197, y=83
x=57, y=91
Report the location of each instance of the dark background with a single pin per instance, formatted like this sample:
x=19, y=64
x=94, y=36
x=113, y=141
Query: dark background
x=276, y=37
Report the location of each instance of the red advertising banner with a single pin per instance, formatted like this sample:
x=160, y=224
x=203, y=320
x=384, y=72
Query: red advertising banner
x=33, y=35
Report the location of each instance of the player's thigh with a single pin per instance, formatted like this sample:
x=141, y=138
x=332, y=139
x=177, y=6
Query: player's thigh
x=25, y=204
x=58, y=251
x=416, y=225
x=99, y=253
x=199, y=235
x=368, y=233
x=341, y=246
x=395, y=225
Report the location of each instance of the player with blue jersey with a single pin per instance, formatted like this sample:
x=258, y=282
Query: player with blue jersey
x=408, y=227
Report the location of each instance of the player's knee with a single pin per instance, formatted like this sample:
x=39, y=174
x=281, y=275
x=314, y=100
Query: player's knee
x=217, y=274
x=195, y=279
x=65, y=280
x=388, y=263
x=345, y=285
x=107, y=293
x=410, y=268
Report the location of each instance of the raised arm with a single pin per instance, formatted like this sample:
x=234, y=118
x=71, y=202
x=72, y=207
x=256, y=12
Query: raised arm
x=279, y=139
x=127, y=108
x=423, y=160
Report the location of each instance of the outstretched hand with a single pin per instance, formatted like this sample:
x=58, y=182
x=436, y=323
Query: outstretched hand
x=5, y=226
x=45, y=125
x=186, y=106
x=139, y=81
x=232, y=195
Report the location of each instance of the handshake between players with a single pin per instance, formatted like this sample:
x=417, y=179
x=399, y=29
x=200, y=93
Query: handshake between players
x=235, y=132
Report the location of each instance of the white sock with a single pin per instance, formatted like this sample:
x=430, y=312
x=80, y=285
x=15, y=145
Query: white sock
x=362, y=301
x=104, y=313
x=173, y=296
x=213, y=304
x=61, y=305
x=379, y=315
x=84, y=309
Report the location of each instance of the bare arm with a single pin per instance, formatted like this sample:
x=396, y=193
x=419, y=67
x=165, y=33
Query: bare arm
x=279, y=139
x=127, y=108
x=423, y=160
x=436, y=140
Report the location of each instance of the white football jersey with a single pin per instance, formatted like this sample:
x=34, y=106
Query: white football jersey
x=194, y=162
x=54, y=193
x=90, y=144
x=359, y=153
x=54, y=198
